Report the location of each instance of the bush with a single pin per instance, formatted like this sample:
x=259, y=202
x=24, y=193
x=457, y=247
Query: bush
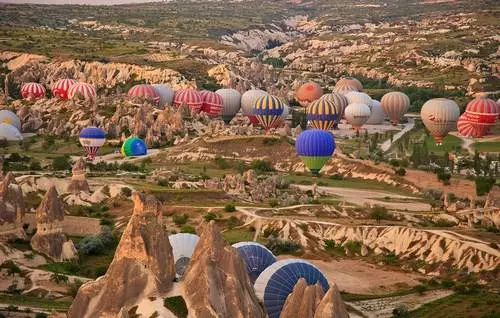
x=379, y=213
x=188, y=229
x=58, y=278
x=210, y=216
x=400, y=311
x=126, y=192
x=400, y=172
x=230, y=207
x=73, y=288
x=11, y=267
x=180, y=219
x=261, y=166
x=329, y=244
x=337, y=176
x=221, y=162
x=444, y=223
x=273, y=203
x=41, y=315
x=421, y=289
x=61, y=163
x=176, y=305
x=483, y=185
x=233, y=221
x=447, y=283
x=278, y=246
x=91, y=245
x=353, y=246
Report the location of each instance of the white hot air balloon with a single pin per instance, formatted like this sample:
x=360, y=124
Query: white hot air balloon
x=9, y=133
x=8, y=117
x=440, y=116
x=166, y=94
x=360, y=98
x=378, y=115
x=183, y=245
x=357, y=114
x=232, y=103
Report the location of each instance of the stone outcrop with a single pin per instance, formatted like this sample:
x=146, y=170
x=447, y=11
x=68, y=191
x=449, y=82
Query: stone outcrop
x=332, y=305
x=11, y=208
x=303, y=300
x=78, y=181
x=143, y=266
x=216, y=283
x=49, y=238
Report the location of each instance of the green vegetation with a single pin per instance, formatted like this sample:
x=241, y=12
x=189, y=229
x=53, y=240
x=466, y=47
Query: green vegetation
x=238, y=235
x=44, y=303
x=230, y=207
x=278, y=246
x=379, y=213
x=493, y=146
x=177, y=306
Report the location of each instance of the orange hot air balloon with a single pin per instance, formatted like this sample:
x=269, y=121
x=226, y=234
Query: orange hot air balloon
x=395, y=105
x=308, y=92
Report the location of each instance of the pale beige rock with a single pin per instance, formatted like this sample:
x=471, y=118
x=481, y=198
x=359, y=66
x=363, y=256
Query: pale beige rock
x=11, y=208
x=78, y=181
x=332, y=305
x=303, y=300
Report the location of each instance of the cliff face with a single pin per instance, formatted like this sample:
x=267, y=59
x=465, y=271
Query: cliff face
x=11, y=208
x=332, y=305
x=78, y=181
x=143, y=266
x=49, y=238
x=216, y=283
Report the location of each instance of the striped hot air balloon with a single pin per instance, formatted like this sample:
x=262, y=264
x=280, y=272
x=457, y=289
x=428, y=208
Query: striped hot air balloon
x=339, y=100
x=183, y=245
x=350, y=82
x=440, y=116
x=465, y=128
x=92, y=139
x=133, y=147
x=482, y=113
x=61, y=88
x=395, y=105
x=143, y=92
x=315, y=147
x=308, y=93
x=212, y=103
x=32, y=91
x=357, y=115
x=268, y=110
x=232, y=103
x=248, y=101
x=322, y=114
x=256, y=256
x=165, y=93
x=188, y=97
x=82, y=91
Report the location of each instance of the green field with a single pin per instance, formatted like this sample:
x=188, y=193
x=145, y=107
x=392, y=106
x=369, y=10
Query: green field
x=238, y=235
x=42, y=303
x=487, y=146
x=450, y=143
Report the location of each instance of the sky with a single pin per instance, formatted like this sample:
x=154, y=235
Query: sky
x=91, y=2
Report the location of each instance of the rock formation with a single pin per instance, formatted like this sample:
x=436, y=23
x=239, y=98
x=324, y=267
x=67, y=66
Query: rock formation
x=11, y=208
x=216, y=283
x=332, y=305
x=303, y=300
x=49, y=238
x=143, y=266
x=78, y=181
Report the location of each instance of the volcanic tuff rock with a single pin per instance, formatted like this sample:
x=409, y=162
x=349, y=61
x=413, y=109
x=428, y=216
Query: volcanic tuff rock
x=303, y=300
x=216, y=283
x=143, y=265
x=49, y=238
x=78, y=181
x=332, y=305
x=11, y=208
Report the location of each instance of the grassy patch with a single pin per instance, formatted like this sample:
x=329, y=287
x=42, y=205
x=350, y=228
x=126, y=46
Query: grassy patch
x=22, y=300
x=176, y=305
x=238, y=235
x=450, y=143
x=487, y=146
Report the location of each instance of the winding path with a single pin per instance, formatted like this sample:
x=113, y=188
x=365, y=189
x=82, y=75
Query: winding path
x=386, y=145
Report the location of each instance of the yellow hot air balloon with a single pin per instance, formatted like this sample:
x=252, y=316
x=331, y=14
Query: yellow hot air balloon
x=440, y=116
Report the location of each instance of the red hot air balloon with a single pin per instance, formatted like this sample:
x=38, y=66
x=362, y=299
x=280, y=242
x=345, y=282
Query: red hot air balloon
x=465, y=128
x=189, y=97
x=212, y=103
x=482, y=113
x=32, y=91
x=61, y=88
x=82, y=91
x=144, y=92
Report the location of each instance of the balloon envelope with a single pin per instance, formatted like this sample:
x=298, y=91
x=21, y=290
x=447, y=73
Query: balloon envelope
x=8, y=117
x=268, y=110
x=165, y=93
x=315, y=147
x=256, y=256
x=32, y=91
x=378, y=115
x=339, y=100
x=9, y=132
x=92, y=139
x=357, y=114
x=482, y=113
x=395, y=105
x=440, y=116
x=308, y=93
x=61, y=88
x=212, y=103
x=322, y=114
x=350, y=81
x=134, y=146
x=360, y=98
x=143, y=92
x=183, y=245
x=188, y=97
x=248, y=100
x=232, y=103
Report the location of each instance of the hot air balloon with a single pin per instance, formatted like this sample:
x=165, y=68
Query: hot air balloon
x=322, y=114
x=256, y=256
x=248, y=101
x=32, y=91
x=143, y=92
x=315, y=147
x=276, y=282
x=183, y=245
x=308, y=93
x=465, y=128
x=378, y=114
x=82, y=91
x=188, y=97
x=482, y=113
x=359, y=98
x=92, y=139
x=395, y=105
x=440, y=116
x=268, y=110
x=212, y=103
x=357, y=114
x=350, y=81
x=165, y=93
x=8, y=117
x=232, y=103
x=339, y=100
x=9, y=133
x=133, y=147
x=61, y=88
x=344, y=89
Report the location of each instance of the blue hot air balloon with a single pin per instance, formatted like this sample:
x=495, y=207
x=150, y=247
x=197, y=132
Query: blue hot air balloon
x=92, y=139
x=276, y=282
x=256, y=256
x=315, y=147
x=133, y=147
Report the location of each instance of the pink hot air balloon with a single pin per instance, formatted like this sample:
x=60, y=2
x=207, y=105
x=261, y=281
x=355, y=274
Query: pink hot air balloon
x=82, y=91
x=61, y=88
x=32, y=91
x=465, y=128
x=189, y=97
x=395, y=105
x=212, y=103
x=482, y=113
x=144, y=92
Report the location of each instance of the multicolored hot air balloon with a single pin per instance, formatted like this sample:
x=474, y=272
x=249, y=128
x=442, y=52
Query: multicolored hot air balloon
x=378, y=114
x=256, y=256
x=183, y=245
x=308, y=93
x=350, y=81
x=440, y=116
x=268, y=110
x=92, y=139
x=212, y=103
x=276, y=282
x=188, y=97
x=357, y=115
x=143, y=92
x=61, y=88
x=82, y=91
x=315, y=147
x=232, y=103
x=248, y=101
x=322, y=114
x=133, y=147
x=32, y=91
x=395, y=105
x=482, y=113
x=465, y=128
x=165, y=93
x=8, y=117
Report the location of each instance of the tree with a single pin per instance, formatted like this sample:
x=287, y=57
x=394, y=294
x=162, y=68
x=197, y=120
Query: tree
x=61, y=163
x=379, y=213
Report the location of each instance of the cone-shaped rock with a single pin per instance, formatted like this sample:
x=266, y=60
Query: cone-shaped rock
x=143, y=266
x=78, y=181
x=332, y=305
x=216, y=283
x=11, y=208
x=49, y=238
x=303, y=300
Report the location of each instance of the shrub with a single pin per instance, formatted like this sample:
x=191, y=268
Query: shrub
x=329, y=244
x=100, y=271
x=176, y=305
x=180, y=219
x=261, y=166
x=73, y=288
x=61, y=163
x=273, y=203
x=400, y=311
x=483, y=185
x=337, y=176
x=221, y=162
x=421, y=289
x=91, y=245
x=126, y=192
x=353, y=246
x=41, y=315
x=379, y=213
x=278, y=246
x=11, y=267
x=233, y=221
x=447, y=283
x=58, y=278
x=230, y=207
x=210, y=216
x=444, y=223
x=400, y=172
x=188, y=229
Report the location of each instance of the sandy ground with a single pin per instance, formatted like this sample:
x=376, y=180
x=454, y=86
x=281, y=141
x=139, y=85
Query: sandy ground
x=423, y=179
x=345, y=129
